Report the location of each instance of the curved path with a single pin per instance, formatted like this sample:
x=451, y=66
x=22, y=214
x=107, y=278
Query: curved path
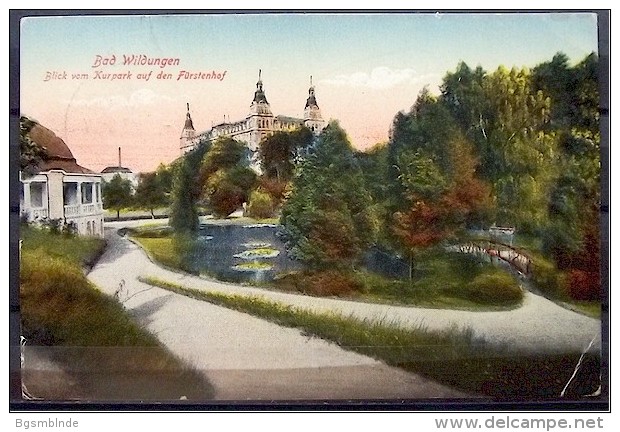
x=243, y=357
x=226, y=343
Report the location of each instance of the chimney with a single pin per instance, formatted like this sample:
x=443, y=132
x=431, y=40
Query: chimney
x=119, y=157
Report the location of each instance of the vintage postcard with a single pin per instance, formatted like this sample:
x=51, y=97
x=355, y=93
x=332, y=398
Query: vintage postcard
x=251, y=207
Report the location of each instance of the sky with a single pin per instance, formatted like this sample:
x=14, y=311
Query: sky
x=365, y=68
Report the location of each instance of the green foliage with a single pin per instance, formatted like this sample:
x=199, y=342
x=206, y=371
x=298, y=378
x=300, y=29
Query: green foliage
x=227, y=190
x=225, y=153
x=328, y=219
x=225, y=178
x=497, y=288
x=116, y=194
x=547, y=277
x=153, y=190
x=280, y=152
x=261, y=205
x=186, y=189
x=438, y=191
x=30, y=153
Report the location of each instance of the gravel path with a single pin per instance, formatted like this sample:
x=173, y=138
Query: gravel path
x=231, y=346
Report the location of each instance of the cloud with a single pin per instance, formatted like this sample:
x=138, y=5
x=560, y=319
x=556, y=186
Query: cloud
x=379, y=78
x=138, y=98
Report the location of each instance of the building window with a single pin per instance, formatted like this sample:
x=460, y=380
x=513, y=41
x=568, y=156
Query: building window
x=70, y=193
x=37, y=190
x=87, y=193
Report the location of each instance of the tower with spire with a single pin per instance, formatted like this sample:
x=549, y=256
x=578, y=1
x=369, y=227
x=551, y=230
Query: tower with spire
x=312, y=114
x=188, y=134
x=259, y=122
x=260, y=118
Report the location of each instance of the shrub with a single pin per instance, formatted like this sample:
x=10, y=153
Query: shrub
x=497, y=288
x=261, y=205
x=546, y=277
x=583, y=285
x=321, y=283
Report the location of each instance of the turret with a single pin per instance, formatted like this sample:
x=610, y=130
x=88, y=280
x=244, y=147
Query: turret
x=312, y=114
x=259, y=104
x=188, y=134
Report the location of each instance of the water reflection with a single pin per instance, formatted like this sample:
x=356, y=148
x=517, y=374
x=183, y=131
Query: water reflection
x=241, y=253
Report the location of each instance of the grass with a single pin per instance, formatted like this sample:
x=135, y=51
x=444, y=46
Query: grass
x=452, y=357
x=81, y=250
x=162, y=250
x=449, y=280
x=160, y=244
x=552, y=283
x=441, y=280
x=89, y=334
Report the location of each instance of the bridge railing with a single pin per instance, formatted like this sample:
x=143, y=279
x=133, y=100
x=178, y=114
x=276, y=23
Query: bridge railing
x=494, y=249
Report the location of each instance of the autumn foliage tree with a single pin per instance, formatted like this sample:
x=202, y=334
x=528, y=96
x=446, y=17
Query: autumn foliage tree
x=437, y=178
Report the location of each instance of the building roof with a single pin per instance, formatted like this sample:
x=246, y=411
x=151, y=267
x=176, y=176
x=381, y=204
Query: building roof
x=311, y=101
x=287, y=119
x=116, y=169
x=59, y=155
x=259, y=94
x=189, y=124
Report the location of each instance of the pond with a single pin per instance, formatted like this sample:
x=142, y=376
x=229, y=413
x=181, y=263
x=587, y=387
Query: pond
x=241, y=253
x=256, y=253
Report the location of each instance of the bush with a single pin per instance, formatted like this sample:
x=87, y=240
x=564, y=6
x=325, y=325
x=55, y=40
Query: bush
x=496, y=288
x=321, y=283
x=584, y=286
x=547, y=277
x=261, y=205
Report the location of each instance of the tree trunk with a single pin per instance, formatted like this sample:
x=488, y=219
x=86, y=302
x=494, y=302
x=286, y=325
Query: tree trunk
x=118, y=214
x=411, y=265
x=152, y=214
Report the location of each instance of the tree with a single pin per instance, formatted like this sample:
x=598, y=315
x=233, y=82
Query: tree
x=116, y=194
x=227, y=189
x=436, y=173
x=281, y=151
x=328, y=219
x=261, y=204
x=186, y=190
x=225, y=178
x=508, y=120
x=151, y=192
x=30, y=153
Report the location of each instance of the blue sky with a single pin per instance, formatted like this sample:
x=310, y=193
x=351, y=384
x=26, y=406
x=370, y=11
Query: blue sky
x=366, y=67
